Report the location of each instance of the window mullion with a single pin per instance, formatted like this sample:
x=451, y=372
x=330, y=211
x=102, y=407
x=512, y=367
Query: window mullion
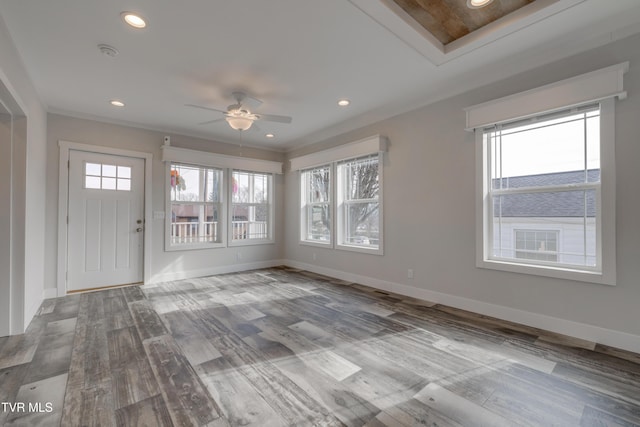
x=547, y=189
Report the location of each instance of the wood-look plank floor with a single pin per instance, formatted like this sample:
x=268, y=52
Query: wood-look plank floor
x=283, y=347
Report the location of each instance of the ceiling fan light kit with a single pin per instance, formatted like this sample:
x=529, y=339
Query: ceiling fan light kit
x=239, y=122
x=240, y=118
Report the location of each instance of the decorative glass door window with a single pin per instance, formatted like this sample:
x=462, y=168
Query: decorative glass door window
x=100, y=176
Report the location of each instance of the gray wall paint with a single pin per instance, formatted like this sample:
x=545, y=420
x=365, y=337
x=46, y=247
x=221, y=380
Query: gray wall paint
x=429, y=190
x=192, y=262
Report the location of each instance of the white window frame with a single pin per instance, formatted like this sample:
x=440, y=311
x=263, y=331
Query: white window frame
x=270, y=211
x=342, y=209
x=306, y=205
x=493, y=193
x=603, y=85
x=169, y=246
x=375, y=144
x=227, y=164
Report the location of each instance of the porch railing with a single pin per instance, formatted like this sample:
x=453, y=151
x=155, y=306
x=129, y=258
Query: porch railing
x=202, y=232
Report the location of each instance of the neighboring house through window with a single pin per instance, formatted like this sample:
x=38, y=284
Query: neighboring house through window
x=545, y=173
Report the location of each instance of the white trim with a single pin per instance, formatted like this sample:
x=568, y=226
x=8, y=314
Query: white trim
x=398, y=22
x=168, y=247
x=63, y=204
x=271, y=227
x=48, y=293
x=303, y=211
x=363, y=147
x=340, y=212
x=204, y=158
x=210, y=271
x=610, y=337
x=250, y=242
x=317, y=244
x=590, y=87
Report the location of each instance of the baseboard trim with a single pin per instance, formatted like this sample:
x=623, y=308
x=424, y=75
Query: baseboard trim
x=203, y=272
x=49, y=293
x=613, y=338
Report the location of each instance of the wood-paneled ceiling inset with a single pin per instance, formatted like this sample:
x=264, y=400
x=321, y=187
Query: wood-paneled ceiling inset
x=449, y=20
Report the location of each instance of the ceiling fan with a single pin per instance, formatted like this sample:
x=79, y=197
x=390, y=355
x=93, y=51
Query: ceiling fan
x=239, y=116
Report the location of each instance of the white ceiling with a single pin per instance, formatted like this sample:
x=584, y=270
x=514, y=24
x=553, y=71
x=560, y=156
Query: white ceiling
x=298, y=56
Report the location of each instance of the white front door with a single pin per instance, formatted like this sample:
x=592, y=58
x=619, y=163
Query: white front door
x=106, y=220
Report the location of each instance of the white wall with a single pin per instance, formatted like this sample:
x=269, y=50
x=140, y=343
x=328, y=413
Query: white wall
x=164, y=265
x=28, y=171
x=429, y=215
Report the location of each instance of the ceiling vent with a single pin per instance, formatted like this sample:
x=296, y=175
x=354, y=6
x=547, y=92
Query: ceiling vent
x=107, y=50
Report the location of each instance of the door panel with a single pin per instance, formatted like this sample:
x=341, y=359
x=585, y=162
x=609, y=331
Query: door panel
x=106, y=201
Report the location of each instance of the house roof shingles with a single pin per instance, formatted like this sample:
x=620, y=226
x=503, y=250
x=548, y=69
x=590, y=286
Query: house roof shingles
x=547, y=205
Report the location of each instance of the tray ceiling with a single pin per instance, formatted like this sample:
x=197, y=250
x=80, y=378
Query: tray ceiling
x=450, y=20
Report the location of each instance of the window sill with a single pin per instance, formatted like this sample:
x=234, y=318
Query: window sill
x=194, y=247
x=318, y=244
x=546, y=271
x=361, y=249
x=250, y=242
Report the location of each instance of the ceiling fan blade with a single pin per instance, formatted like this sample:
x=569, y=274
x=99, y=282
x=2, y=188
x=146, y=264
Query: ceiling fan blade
x=204, y=108
x=245, y=100
x=252, y=102
x=211, y=121
x=274, y=118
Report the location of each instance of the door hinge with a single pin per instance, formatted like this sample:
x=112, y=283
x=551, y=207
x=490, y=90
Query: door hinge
x=68, y=164
x=67, y=219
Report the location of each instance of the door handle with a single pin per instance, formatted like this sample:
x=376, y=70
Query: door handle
x=139, y=229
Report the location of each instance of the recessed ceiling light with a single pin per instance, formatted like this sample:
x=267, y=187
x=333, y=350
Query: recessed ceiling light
x=343, y=102
x=477, y=4
x=116, y=103
x=133, y=19
x=270, y=135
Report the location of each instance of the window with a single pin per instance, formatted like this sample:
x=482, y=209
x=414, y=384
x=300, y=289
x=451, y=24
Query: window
x=196, y=206
x=344, y=212
x=250, y=206
x=316, y=205
x=546, y=171
x=358, y=203
x=100, y=176
x=537, y=245
x=546, y=163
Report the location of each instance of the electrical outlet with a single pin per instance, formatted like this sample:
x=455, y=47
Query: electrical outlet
x=315, y=256
x=410, y=273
